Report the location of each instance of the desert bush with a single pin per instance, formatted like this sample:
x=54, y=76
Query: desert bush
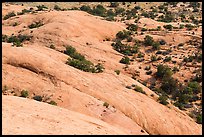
x=199, y=119
x=125, y=60
x=163, y=71
x=56, y=7
x=169, y=85
x=195, y=86
x=105, y=104
x=52, y=46
x=155, y=46
x=117, y=72
x=83, y=65
x=119, y=10
x=41, y=7
x=125, y=49
x=148, y=40
x=9, y=15
x=52, y=103
x=153, y=58
x=122, y=34
x=86, y=8
x=189, y=26
x=99, y=10
x=24, y=11
x=169, y=27
x=4, y=38
x=145, y=14
x=179, y=105
x=38, y=98
x=143, y=29
x=167, y=59
x=139, y=89
x=35, y=25
x=24, y=93
x=163, y=100
x=132, y=27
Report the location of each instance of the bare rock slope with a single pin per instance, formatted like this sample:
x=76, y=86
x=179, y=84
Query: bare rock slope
x=42, y=70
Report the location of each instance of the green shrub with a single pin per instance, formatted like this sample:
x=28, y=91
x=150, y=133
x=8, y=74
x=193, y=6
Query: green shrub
x=125, y=60
x=143, y=29
x=153, y=58
x=155, y=46
x=169, y=27
x=4, y=38
x=41, y=7
x=189, y=26
x=132, y=27
x=56, y=7
x=163, y=71
x=117, y=72
x=38, y=98
x=125, y=49
x=5, y=88
x=148, y=40
x=24, y=93
x=83, y=65
x=23, y=12
x=163, y=100
x=122, y=34
x=139, y=89
x=169, y=84
x=195, y=86
x=105, y=104
x=99, y=10
x=199, y=119
x=9, y=15
x=179, y=105
x=86, y=8
x=35, y=25
x=52, y=103
x=167, y=59
x=52, y=46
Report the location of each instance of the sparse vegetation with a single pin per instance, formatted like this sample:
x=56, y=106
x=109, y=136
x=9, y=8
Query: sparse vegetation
x=125, y=60
x=117, y=72
x=9, y=15
x=35, y=25
x=52, y=103
x=24, y=93
x=139, y=89
x=105, y=104
x=78, y=61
